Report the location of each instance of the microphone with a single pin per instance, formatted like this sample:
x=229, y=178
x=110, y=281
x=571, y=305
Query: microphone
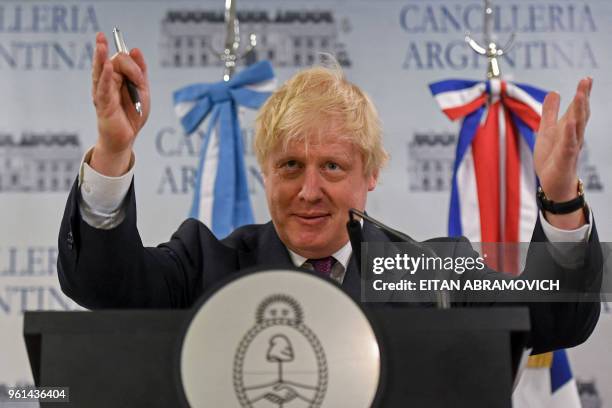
x=390, y=232
x=355, y=233
x=356, y=237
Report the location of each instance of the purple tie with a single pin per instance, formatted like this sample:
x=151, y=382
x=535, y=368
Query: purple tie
x=323, y=265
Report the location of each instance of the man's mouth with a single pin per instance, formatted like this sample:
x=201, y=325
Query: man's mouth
x=312, y=218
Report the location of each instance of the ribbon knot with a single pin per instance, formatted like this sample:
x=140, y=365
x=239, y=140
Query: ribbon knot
x=495, y=88
x=194, y=103
x=219, y=92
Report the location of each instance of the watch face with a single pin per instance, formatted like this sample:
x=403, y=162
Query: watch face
x=280, y=339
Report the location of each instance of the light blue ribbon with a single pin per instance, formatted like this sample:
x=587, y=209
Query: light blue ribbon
x=231, y=205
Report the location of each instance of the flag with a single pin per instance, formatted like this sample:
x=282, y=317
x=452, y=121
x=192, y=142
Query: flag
x=493, y=198
x=547, y=383
x=493, y=173
x=221, y=196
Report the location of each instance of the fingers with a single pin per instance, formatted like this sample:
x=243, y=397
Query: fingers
x=573, y=123
x=105, y=89
x=550, y=111
x=126, y=66
x=568, y=148
x=138, y=58
x=108, y=74
x=579, y=111
x=100, y=56
x=570, y=133
x=556, y=154
x=589, y=87
x=579, y=116
x=584, y=86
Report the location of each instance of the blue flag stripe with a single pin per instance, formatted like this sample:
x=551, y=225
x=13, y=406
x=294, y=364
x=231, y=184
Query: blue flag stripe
x=451, y=85
x=560, y=371
x=466, y=135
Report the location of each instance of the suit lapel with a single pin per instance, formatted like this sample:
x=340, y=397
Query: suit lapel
x=269, y=251
x=352, y=280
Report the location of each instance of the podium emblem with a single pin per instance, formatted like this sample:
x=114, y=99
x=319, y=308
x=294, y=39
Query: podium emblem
x=279, y=338
x=280, y=362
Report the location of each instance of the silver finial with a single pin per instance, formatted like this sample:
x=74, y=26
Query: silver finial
x=491, y=49
x=230, y=55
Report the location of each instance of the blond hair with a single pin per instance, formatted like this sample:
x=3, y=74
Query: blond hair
x=314, y=96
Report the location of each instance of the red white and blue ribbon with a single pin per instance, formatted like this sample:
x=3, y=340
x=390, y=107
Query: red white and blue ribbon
x=221, y=196
x=494, y=183
x=493, y=194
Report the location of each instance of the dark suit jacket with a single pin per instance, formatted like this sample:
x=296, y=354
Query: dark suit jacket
x=112, y=269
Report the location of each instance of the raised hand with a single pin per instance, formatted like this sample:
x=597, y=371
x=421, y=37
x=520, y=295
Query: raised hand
x=557, y=149
x=118, y=121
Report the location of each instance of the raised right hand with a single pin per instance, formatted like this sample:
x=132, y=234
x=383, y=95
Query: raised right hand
x=118, y=121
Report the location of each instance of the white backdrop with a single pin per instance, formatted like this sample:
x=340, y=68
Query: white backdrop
x=392, y=48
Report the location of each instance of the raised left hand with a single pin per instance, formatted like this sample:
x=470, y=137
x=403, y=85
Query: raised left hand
x=557, y=149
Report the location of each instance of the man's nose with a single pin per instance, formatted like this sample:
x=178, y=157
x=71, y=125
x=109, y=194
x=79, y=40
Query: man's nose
x=312, y=186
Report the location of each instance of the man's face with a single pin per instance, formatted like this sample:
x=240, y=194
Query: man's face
x=310, y=187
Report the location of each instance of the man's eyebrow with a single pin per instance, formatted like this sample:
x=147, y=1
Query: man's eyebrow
x=281, y=158
x=285, y=155
x=337, y=154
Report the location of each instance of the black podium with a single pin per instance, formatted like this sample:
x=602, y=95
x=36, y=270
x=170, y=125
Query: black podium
x=429, y=357
x=449, y=358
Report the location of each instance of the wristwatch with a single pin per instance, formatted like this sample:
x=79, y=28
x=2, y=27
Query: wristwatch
x=565, y=207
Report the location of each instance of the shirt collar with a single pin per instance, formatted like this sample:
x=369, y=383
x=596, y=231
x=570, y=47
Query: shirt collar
x=342, y=256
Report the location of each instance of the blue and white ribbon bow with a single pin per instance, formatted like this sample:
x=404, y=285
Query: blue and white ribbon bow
x=221, y=196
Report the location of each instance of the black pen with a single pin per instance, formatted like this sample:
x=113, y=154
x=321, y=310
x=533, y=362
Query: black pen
x=132, y=90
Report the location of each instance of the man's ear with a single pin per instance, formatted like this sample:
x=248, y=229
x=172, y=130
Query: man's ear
x=373, y=179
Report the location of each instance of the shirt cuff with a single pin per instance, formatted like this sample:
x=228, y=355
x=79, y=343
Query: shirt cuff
x=101, y=201
x=554, y=234
x=566, y=254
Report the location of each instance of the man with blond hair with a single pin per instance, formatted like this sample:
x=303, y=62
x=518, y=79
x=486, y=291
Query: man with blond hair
x=319, y=144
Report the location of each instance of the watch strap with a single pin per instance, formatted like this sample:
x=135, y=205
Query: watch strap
x=565, y=207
